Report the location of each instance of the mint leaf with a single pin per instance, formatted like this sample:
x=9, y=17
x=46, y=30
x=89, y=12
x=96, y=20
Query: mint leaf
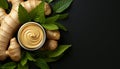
x=25, y=57
x=61, y=26
x=9, y=65
x=23, y=14
x=22, y=67
x=23, y=60
x=63, y=16
x=59, y=51
x=50, y=26
x=61, y=5
x=3, y=4
x=37, y=14
x=52, y=59
x=41, y=63
x=52, y=19
x=29, y=57
x=48, y=1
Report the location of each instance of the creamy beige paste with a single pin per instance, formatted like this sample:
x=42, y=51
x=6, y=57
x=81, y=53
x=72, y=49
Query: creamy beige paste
x=31, y=35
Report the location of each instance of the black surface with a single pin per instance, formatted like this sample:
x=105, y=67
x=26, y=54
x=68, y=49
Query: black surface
x=93, y=33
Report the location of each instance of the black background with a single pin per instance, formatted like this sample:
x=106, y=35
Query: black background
x=93, y=33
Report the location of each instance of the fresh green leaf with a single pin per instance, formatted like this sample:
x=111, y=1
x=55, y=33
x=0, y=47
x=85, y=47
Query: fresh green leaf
x=23, y=60
x=53, y=59
x=61, y=26
x=56, y=17
x=3, y=4
x=50, y=26
x=9, y=65
x=60, y=50
x=22, y=67
x=41, y=63
x=48, y=1
x=23, y=14
x=37, y=14
x=52, y=19
x=61, y=5
x=25, y=57
x=63, y=16
x=29, y=57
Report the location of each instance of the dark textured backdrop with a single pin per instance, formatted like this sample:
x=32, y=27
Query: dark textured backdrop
x=93, y=33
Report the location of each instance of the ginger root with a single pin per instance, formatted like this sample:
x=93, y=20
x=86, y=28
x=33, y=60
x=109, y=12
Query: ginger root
x=51, y=43
x=53, y=34
x=10, y=22
x=14, y=51
x=2, y=14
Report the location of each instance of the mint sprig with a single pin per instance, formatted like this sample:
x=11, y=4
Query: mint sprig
x=49, y=23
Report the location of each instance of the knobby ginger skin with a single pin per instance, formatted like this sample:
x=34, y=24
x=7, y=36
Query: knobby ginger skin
x=51, y=43
x=10, y=23
x=2, y=14
x=14, y=50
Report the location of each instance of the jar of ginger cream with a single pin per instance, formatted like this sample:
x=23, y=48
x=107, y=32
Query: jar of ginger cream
x=31, y=36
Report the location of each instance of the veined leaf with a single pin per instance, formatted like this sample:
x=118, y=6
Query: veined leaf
x=63, y=16
x=23, y=14
x=23, y=60
x=52, y=19
x=50, y=26
x=37, y=14
x=41, y=63
x=10, y=65
x=61, y=26
x=48, y=1
x=61, y=5
x=3, y=4
x=25, y=57
x=60, y=50
x=22, y=67
x=53, y=59
x=29, y=57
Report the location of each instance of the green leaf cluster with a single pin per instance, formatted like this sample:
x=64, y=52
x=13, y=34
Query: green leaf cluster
x=38, y=15
x=40, y=58
x=40, y=61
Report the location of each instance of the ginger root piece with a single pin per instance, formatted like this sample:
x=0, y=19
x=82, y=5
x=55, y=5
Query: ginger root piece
x=14, y=50
x=2, y=15
x=49, y=45
x=53, y=34
x=10, y=23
